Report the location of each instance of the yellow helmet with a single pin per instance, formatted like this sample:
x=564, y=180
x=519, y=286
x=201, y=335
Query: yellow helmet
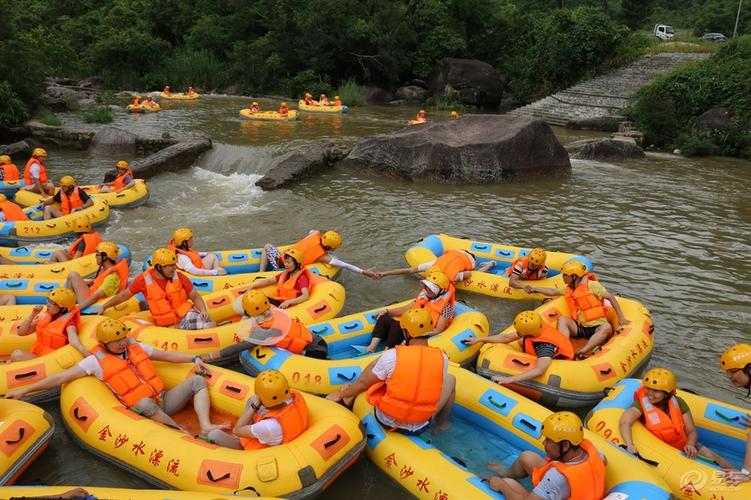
x=563, y=426
x=82, y=225
x=39, y=152
x=163, y=257
x=181, y=235
x=417, y=322
x=63, y=297
x=575, y=268
x=166, y=87
x=307, y=94
x=454, y=113
x=4, y=159
x=121, y=164
x=336, y=97
x=68, y=180
x=422, y=112
x=110, y=249
x=3, y=198
x=660, y=379
x=255, y=103
x=296, y=255
x=284, y=105
x=438, y=279
x=528, y=323
x=272, y=388
x=736, y=357
x=537, y=256
x=255, y=303
x=331, y=239
x=110, y=330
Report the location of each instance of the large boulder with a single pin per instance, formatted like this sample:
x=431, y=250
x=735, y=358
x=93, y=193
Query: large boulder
x=302, y=164
x=605, y=149
x=112, y=141
x=175, y=157
x=92, y=82
x=473, y=149
x=377, y=95
x=17, y=148
x=715, y=119
x=474, y=82
x=411, y=93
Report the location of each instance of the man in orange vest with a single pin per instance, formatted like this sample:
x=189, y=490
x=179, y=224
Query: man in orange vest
x=274, y=415
x=529, y=267
x=172, y=300
x=539, y=338
x=111, y=277
x=437, y=296
x=35, y=173
x=394, y=380
x=85, y=244
x=316, y=247
x=123, y=179
x=124, y=364
x=665, y=415
x=585, y=296
x=191, y=261
x=70, y=197
x=736, y=361
x=8, y=169
x=455, y=264
x=573, y=469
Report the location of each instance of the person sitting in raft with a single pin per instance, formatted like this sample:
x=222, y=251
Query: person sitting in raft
x=585, y=297
x=172, y=300
x=190, y=91
x=274, y=415
x=110, y=279
x=421, y=117
x=191, y=261
x=35, y=173
x=454, y=115
x=292, y=285
x=316, y=247
x=124, y=365
x=58, y=326
x=150, y=102
x=538, y=337
x=337, y=101
x=167, y=90
x=254, y=107
x=455, y=264
x=665, y=415
x=324, y=101
x=409, y=386
x=9, y=211
x=271, y=326
x=124, y=179
x=573, y=468
x=8, y=169
x=283, y=109
x=736, y=361
x=70, y=197
x=309, y=100
x=85, y=244
x=530, y=267
x=137, y=101
x=437, y=296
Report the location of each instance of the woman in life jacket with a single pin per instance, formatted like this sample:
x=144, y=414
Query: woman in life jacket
x=573, y=468
x=124, y=179
x=665, y=415
x=456, y=264
x=85, y=244
x=736, y=361
x=110, y=279
x=70, y=199
x=537, y=337
x=530, y=267
x=191, y=261
x=56, y=327
x=292, y=285
x=254, y=107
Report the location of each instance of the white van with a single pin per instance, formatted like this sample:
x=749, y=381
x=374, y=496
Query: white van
x=663, y=31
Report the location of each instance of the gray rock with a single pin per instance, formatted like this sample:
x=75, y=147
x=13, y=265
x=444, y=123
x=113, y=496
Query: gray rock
x=92, y=82
x=16, y=148
x=475, y=82
x=86, y=102
x=377, y=95
x=233, y=90
x=474, y=149
x=125, y=93
x=411, y=93
x=176, y=157
x=60, y=136
x=602, y=123
x=716, y=119
x=111, y=140
x=301, y=164
x=60, y=81
x=605, y=149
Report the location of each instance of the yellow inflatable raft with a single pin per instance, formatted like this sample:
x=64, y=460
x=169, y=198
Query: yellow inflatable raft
x=494, y=282
x=129, y=198
x=179, y=96
x=18, y=233
x=27, y=269
x=719, y=427
x=489, y=423
x=270, y=115
x=567, y=383
x=346, y=338
x=322, y=109
x=25, y=431
x=143, y=108
x=169, y=458
x=122, y=493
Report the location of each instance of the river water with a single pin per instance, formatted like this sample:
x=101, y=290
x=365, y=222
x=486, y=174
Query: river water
x=668, y=231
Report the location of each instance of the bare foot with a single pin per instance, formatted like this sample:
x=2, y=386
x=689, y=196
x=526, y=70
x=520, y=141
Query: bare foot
x=498, y=468
x=442, y=426
x=213, y=427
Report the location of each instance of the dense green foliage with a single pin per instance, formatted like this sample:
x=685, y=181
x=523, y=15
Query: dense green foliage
x=667, y=109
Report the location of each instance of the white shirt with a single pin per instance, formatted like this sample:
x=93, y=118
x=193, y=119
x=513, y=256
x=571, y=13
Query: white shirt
x=91, y=365
x=383, y=369
x=269, y=431
x=184, y=263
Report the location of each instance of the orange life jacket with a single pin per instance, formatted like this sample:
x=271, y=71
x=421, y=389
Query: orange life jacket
x=130, y=380
x=51, y=334
x=324, y=102
x=136, y=102
x=68, y=203
x=551, y=335
x=310, y=102
x=12, y=211
x=454, y=262
x=10, y=172
x=119, y=181
x=437, y=306
x=167, y=305
x=293, y=419
x=194, y=257
x=586, y=480
x=27, y=171
x=121, y=268
x=254, y=109
x=283, y=111
x=90, y=242
x=311, y=248
x=337, y=102
x=582, y=299
x=296, y=336
x=668, y=427
x=527, y=273
x=285, y=287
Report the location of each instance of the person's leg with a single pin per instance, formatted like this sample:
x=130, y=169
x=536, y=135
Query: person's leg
x=78, y=285
x=49, y=188
x=568, y=326
x=602, y=333
x=193, y=321
x=507, y=486
x=395, y=335
x=448, y=393
x=264, y=258
x=51, y=212
x=719, y=460
x=61, y=255
x=380, y=331
x=149, y=409
x=7, y=262
x=522, y=466
x=224, y=440
x=105, y=189
x=211, y=261
x=21, y=355
x=195, y=387
x=7, y=299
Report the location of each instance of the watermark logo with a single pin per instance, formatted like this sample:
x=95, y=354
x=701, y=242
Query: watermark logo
x=692, y=482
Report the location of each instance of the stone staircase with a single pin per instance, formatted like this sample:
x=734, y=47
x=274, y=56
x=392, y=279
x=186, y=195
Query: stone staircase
x=605, y=95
